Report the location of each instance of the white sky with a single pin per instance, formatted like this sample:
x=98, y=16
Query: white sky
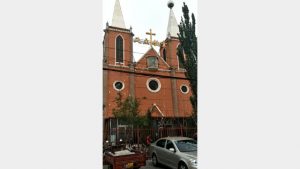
x=145, y=14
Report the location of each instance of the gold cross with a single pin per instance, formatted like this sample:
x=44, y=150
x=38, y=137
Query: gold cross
x=150, y=33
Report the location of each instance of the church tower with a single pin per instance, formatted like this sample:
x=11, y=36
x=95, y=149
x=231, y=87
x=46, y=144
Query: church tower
x=117, y=40
x=168, y=48
x=117, y=57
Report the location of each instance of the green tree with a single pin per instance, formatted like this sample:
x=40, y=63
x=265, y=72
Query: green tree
x=187, y=52
x=127, y=111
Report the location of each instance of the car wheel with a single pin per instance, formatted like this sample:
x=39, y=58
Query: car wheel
x=182, y=166
x=154, y=160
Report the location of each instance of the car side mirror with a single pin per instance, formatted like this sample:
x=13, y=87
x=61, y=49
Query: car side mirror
x=172, y=149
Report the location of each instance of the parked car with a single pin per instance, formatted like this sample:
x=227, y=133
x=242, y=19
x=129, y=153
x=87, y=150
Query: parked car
x=174, y=152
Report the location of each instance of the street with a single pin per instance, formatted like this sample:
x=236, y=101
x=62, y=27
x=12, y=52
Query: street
x=149, y=165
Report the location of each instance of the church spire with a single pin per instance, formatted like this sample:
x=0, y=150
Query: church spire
x=172, y=24
x=118, y=20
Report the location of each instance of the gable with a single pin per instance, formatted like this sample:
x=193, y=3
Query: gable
x=143, y=63
x=155, y=112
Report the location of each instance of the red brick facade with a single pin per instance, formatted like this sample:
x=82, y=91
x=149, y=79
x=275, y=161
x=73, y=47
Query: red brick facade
x=168, y=101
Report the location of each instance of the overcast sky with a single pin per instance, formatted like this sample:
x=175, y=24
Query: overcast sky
x=145, y=14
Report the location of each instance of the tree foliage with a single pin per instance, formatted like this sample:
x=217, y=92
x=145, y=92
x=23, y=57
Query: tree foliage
x=127, y=111
x=187, y=51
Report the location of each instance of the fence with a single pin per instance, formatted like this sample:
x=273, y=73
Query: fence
x=138, y=135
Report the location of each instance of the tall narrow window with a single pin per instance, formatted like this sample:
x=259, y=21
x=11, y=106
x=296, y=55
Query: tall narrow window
x=181, y=65
x=119, y=49
x=165, y=55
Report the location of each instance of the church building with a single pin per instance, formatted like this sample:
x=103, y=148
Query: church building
x=145, y=69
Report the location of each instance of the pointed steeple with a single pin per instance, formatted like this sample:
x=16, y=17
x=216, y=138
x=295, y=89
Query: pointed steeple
x=118, y=20
x=172, y=24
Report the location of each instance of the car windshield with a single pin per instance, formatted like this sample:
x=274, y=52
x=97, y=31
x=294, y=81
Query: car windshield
x=186, y=145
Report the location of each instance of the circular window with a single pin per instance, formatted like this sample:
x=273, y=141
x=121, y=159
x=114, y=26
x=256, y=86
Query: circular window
x=153, y=85
x=118, y=85
x=184, y=89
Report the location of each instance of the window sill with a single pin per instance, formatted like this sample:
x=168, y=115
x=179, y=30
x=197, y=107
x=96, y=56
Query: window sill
x=152, y=68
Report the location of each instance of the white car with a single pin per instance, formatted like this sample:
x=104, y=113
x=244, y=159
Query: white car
x=174, y=152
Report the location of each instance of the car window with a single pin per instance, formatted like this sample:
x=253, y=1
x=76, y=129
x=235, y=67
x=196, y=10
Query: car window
x=161, y=143
x=186, y=145
x=170, y=145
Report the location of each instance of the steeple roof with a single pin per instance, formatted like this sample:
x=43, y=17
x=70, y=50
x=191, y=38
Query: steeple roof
x=172, y=24
x=118, y=20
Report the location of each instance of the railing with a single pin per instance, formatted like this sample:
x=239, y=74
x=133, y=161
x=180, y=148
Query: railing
x=139, y=135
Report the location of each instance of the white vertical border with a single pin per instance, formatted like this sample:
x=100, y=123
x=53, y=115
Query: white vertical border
x=101, y=85
x=50, y=113
x=249, y=84
x=198, y=82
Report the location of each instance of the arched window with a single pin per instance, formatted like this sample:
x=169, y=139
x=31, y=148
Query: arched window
x=119, y=49
x=180, y=48
x=165, y=55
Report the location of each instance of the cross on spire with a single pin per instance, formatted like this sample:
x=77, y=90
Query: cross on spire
x=150, y=33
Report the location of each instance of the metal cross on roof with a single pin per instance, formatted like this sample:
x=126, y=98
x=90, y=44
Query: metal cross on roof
x=150, y=33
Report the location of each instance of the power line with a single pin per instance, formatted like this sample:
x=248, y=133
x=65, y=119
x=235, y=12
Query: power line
x=106, y=56
x=140, y=67
x=138, y=63
x=146, y=74
x=134, y=51
x=127, y=50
